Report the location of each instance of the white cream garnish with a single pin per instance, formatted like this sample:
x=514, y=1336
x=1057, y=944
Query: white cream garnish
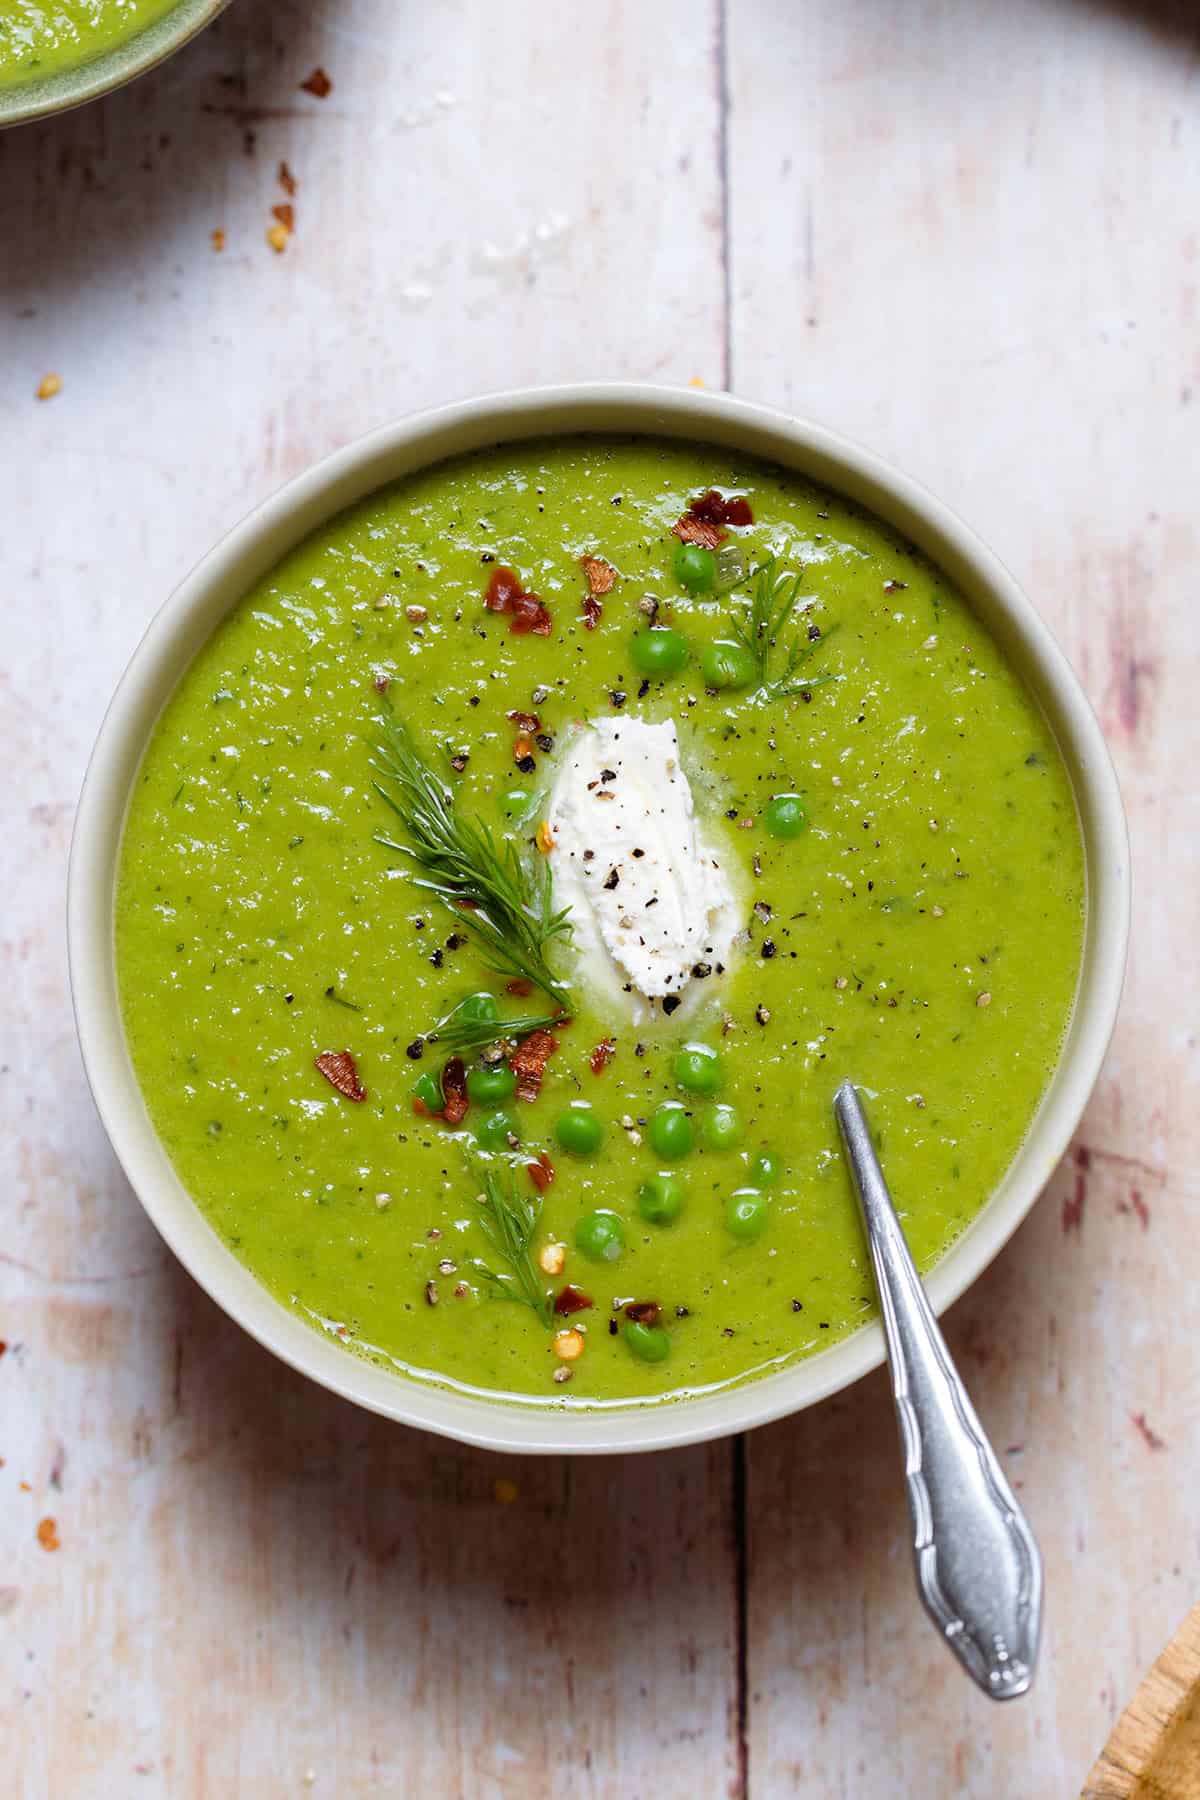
x=652, y=908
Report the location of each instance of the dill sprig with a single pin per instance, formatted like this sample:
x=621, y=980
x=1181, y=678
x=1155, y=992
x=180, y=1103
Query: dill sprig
x=760, y=624
x=492, y=890
x=461, y=1035
x=509, y=1221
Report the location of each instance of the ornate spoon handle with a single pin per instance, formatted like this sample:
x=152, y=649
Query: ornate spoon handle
x=977, y=1563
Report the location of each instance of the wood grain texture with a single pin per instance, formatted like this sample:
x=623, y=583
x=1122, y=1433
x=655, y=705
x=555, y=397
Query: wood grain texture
x=1153, y=1752
x=966, y=235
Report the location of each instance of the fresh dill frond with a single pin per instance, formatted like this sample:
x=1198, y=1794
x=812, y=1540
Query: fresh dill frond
x=462, y=1035
x=768, y=623
x=495, y=893
x=508, y=1221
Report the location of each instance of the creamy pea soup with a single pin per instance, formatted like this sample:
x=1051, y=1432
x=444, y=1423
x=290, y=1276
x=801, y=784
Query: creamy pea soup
x=517, y=872
x=39, y=38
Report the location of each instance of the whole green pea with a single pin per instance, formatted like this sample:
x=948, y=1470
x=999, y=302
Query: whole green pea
x=649, y=1342
x=697, y=1067
x=517, y=802
x=600, y=1236
x=727, y=664
x=491, y=1084
x=427, y=1090
x=579, y=1130
x=670, y=1130
x=766, y=1169
x=785, y=816
x=477, y=1009
x=695, y=568
x=721, y=1127
x=661, y=1198
x=746, y=1214
x=495, y=1128
x=658, y=652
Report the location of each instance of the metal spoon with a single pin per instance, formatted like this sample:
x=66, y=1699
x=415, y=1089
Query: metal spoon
x=978, y=1568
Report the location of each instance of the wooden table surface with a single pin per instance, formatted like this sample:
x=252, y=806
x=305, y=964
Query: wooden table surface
x=965, y=234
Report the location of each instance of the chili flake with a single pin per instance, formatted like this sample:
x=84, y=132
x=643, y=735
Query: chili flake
x=528, y=1062
x=600, y=574
x=47, y=1534
x=602, y=1055
x=541, y=1173
x=337, y=1066
x=571, y=1300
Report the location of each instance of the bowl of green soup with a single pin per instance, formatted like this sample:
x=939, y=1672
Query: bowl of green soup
x=501, y=847
x=55, y=54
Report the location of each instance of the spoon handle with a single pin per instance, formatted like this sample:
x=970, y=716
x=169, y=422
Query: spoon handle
x=977, y=1563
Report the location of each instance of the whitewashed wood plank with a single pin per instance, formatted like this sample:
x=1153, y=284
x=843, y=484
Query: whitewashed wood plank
x=966, y=236
x=259, y=1590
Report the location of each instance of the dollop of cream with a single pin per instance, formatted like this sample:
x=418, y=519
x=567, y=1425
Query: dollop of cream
x=653, y=910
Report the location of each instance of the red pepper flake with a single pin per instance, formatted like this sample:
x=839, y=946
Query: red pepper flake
x=600, y=574
x=505, y=593
x=287, y=180
x=592, y=612
x=317, y=84
x=528, y=1062
x=337, y=1066
x=518, y=985
x=541, y=1172
x=47, y=1534
x=3, y=1346
x=545, y=838
x=571, y=1300
x=705, y=519
x=503, y=588
x=602, y=1055
x=530, y=615
x=285, y=212
x=698, y=531
x=1149, y=1435
x=894, y=587
x=644, y=1312
x=524, y=721
x=381, y=682
x=454, y=1092
x=522, y=747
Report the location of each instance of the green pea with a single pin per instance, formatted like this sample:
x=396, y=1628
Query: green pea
x=670, y=1130
x=661, y=1198
x=785, y=816
x=766, y=1169
x=695, y=568
x=600, y=1236
x=478, y=1009
x=649, y=1342
x=579, y=1130
x=495, y=1128
x=658, y=652
x=491, y=1084
x=698, y=1068
x=746, y=1214
x=428, y=1091
x=726, y=664
x=517, y=802
x=722, y=1127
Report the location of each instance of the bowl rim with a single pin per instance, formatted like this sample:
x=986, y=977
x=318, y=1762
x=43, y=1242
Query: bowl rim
x=74, y=86
x=185, y=621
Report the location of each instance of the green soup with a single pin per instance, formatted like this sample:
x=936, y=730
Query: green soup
x=903, y=846
x=39, y=38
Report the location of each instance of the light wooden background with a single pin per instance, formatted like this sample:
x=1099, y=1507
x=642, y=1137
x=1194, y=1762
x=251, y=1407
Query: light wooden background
x=964, y=233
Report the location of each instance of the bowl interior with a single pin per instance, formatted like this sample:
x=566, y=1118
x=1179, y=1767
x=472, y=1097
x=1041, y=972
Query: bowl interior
x=63, y=89
x=186, y=622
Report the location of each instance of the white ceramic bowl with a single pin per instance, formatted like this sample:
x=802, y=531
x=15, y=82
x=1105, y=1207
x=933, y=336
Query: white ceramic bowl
x=192, y=613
